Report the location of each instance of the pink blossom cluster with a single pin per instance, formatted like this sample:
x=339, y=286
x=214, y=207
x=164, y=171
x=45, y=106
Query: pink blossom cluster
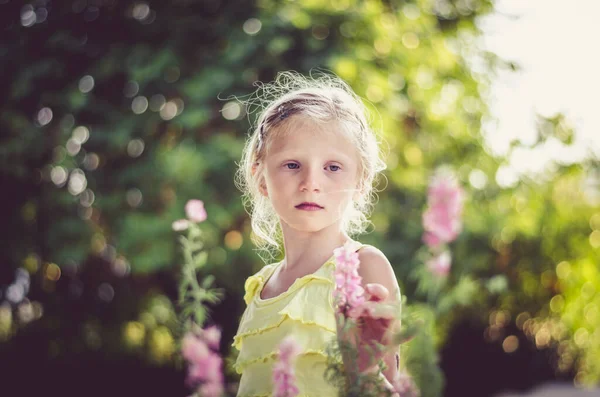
x=205, y=363
x=405, y=386
x=442, y=220
x=440, y=264
x=195, y=213
x=349, y=293
x=284, y=379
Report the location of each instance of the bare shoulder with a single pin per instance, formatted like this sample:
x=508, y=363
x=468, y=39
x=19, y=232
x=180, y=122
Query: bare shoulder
x=376, y=268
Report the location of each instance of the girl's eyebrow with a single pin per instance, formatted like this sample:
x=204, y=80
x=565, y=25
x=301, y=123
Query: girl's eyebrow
x=293, y=154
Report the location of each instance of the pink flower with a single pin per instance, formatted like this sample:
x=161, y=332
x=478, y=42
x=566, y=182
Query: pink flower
x=212, y=336
x=288, y=349
x=194, y=210
x=205, y=365
x=348, y=290
x=440, y=264
x=180, y=225
x=442, y=218
x=443, y=224
x=405, y=385
x=213, y=389
x=193, y=349
x=284, y=379
x=208, y=369
x=431, y=240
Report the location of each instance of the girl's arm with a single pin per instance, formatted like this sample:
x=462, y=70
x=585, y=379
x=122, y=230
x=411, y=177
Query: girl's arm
x=392, y=369
x=376, y=269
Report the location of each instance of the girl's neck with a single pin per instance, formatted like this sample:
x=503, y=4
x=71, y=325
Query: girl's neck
x=305, y=252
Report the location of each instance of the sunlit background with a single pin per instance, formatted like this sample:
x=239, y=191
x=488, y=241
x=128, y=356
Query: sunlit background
x=548, y=42
x=115, y=113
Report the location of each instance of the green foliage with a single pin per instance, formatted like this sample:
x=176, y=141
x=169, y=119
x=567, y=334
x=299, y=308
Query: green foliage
x=420, y=354
x=347, y=378
x=408, y=59
x=194, y=295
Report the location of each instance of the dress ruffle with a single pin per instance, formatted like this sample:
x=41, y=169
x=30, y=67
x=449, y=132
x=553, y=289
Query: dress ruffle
x=263, y=315
x=262, y=346
x=267, y=322
x=305, y=311
x=255, y=282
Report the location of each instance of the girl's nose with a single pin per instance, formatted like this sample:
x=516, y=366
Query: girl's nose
x=310, y=181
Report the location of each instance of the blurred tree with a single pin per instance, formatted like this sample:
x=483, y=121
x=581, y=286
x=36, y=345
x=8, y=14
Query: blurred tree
x=114, y=115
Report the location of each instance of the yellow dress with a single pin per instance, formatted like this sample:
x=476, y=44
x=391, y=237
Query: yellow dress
x=304, y=311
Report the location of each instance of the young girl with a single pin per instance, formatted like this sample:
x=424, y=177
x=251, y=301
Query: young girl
x=307, y=173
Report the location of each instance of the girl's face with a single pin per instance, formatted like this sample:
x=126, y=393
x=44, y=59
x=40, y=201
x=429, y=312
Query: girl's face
x=311, y=163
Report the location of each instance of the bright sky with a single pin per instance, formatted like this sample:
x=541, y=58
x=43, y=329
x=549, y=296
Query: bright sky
x=557, y=44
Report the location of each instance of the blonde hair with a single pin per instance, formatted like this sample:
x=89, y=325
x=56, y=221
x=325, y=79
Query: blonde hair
x=322, y=97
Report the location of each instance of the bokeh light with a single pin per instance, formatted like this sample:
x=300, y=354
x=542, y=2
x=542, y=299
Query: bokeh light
x=135, y=147
x=411, y=11
x=25, y=312
x=252, y=26
x=81, y=134
x=87, y=198
x=168, y=111
x=59, y=175
x=106, y=292
x=28, y=15
x=77, y=182
x=134, y=334
x=320, y=32
x=91, y=161
x=52, y=272
x=157, y=102
x=73, y=147
x=140, y=11
x=478, y=179
x=231, y=110
x=86, y=84
x=162, y=344
x=131, y=89
x=510, y=344
x=6, y=321
x=595, y=239
x=410, y=40
x=44, y=116
x=139, y=104
x=233, y=240
x=120, y=267
x=134, y=197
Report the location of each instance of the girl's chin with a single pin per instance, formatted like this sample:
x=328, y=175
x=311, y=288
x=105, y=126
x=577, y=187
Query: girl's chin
x=309, y=226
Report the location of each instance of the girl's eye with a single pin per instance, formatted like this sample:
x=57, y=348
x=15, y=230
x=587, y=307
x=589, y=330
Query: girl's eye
x=334, y=167
x=291, y=166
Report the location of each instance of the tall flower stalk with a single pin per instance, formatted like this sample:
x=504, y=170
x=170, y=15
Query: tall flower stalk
x=199, y=346
x=442, y=220
x=349, y=294
x=194, y=294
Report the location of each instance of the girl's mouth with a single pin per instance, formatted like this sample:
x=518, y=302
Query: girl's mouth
x=309, y=207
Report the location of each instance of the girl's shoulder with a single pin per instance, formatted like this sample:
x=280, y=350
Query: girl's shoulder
x=371, y=254
x=376, y=268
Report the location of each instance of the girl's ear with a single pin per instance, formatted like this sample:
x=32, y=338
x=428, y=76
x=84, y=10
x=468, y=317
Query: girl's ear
x=263, y=188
